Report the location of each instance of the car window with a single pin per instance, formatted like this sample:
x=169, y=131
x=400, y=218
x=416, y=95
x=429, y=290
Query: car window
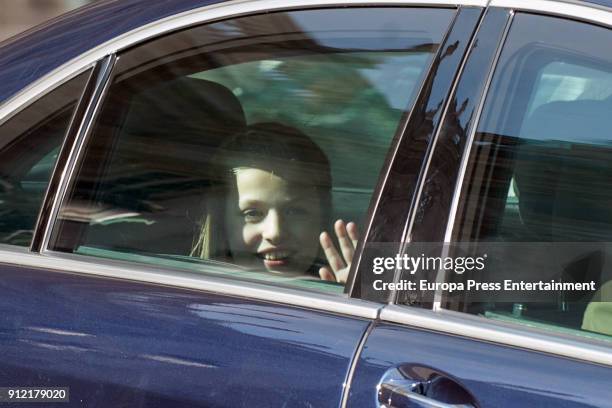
x=232, y=146
x=29, y=145
x=537, y=193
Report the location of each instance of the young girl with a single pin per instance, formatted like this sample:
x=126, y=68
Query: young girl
x=268, y=202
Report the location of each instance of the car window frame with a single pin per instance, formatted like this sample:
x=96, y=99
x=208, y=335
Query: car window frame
x=403, y=181
x=459, y=186
x=468, y=24
x=478, y=328
x=96, y=103
x=76, y=263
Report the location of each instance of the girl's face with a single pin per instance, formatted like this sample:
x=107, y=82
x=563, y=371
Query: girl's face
x=272, y=222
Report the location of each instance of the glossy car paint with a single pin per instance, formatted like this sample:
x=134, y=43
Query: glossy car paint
x=119, y=343
x=496, y=376
x=29, y=56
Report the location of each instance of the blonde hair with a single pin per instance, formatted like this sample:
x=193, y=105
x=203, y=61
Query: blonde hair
x=202, y=245
x=210, y=241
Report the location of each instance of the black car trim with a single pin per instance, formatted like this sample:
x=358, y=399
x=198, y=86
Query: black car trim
x=62, y=158
x=352, y=287
x=397, y=199
x=437, y=201
x=459, y=121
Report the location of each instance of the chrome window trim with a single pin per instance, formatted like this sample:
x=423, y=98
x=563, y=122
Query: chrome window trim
x=444, y=321
x=101, y=85
x=587, y=12
x=92, y=266
x=200, y=15
x=407, y=233
x=470, y=139
x=480, y=328
x=19, y=107
x=450, y=225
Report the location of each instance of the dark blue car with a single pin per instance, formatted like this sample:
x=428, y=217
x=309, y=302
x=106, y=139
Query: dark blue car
x=235, y=204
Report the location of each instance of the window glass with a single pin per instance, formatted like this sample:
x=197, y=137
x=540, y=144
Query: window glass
x=233, y=146
x=29, y=145
x=567, y=81
x=537, y=197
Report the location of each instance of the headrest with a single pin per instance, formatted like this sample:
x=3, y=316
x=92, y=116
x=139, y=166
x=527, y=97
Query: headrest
x=563, y=171
x=158, y=167
x=168, y=135
x=185, y=109
x=583, y=121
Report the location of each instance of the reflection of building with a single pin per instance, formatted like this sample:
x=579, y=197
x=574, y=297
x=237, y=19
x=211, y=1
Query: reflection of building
x=19, y=15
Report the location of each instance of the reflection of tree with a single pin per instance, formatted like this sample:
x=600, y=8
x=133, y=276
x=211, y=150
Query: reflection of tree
x=346, y=88
x=331, y=97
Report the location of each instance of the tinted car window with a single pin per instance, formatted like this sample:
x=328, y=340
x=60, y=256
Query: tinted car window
x=29, y=145
x=309, y=99
x=538, y=187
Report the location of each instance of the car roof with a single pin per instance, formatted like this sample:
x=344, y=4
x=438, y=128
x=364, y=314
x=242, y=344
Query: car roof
x=31, y=55
x=38, y=51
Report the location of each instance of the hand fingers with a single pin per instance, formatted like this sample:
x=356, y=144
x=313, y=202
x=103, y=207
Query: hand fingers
x=333, y=257
x=326, y=274
x=353, y=233
x=346, y=244
x=342, y=275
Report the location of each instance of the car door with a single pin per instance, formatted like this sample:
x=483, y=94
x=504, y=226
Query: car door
x=518, y=180
x=114, y=301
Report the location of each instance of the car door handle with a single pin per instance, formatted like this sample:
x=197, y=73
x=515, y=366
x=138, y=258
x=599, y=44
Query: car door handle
x=410, y=386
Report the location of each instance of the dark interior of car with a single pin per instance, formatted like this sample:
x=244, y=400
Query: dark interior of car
x=155, y=180
x=556, y=161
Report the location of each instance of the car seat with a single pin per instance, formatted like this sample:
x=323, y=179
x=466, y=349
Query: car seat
x=563, y=173
x=157, y=174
